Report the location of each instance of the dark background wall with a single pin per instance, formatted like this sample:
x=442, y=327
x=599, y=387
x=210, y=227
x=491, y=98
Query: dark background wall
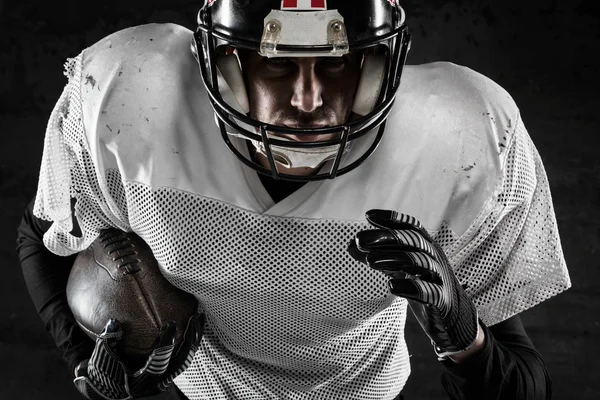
x=543, y=52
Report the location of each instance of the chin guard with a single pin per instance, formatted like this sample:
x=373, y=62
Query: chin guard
x=299, y=157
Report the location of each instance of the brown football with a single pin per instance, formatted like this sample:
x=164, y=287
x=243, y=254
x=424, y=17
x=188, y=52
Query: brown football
x=118, y=277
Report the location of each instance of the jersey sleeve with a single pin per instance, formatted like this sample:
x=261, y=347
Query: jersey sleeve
x=510, y=258
x=70, y=192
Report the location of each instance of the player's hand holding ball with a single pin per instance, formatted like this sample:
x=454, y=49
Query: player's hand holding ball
x=106, y=376
x=402, y=249
x=146, y=330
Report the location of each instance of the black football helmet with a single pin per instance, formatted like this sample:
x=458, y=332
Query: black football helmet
x=296, y=28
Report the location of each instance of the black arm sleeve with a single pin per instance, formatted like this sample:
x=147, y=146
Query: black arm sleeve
x=46, y=276
x=509, y=367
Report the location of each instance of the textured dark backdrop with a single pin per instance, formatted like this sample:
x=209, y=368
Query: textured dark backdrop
x=543, y=52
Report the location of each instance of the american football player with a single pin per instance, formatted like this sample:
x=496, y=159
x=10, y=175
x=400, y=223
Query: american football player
x=287, y=167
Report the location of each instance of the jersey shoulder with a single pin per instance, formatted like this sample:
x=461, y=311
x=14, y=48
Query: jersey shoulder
x=136, y=68
x=142, y=101
x=454, y=93
x=459, y=124
x=141, y=81
x=160, y=44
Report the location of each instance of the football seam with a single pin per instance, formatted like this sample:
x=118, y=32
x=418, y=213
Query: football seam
x=88, y=331
x=147, y=303
x=128, y=245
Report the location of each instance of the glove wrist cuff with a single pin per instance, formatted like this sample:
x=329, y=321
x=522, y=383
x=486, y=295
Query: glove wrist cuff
x=443, y=355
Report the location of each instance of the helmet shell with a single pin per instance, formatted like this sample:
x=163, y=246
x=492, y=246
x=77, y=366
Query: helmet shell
x=242, y=21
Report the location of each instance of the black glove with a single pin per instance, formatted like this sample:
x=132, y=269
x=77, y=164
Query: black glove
x=105, y=376
x=420, y=272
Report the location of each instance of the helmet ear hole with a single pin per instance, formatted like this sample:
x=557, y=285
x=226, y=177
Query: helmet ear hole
x=232, y=86
x=370, y=84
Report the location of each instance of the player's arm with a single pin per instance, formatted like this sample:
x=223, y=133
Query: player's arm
x=507, y=367
x=96, y=367
x=46, y=276
x=419, y=271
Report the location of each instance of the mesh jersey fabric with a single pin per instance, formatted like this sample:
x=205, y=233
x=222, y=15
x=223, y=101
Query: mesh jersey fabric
x=290, y=315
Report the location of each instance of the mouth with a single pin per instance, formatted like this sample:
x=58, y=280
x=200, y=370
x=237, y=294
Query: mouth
x=306, y=137
x=306, y=126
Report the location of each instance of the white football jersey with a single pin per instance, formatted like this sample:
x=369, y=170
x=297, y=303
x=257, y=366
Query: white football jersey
x=290, y=315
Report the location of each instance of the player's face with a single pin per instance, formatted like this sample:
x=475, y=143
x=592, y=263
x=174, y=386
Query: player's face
x=301, y=92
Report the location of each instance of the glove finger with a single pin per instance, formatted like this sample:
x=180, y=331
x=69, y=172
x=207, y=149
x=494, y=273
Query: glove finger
x=393, y=240
x=417, y=290
x=161, y=354
x=193, y=333
x=107, y=344
x=185, y=352
x=390, y=219
x=105, y=371
x=90, y=391
x=417, y=265
x=112, y=333
x=163, y=351
x=355, y=253
x=380, y=239
x=144, y=382
x=83, y=384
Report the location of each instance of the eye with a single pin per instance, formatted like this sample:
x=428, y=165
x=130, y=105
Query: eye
x=278, y=61
x=333, y=62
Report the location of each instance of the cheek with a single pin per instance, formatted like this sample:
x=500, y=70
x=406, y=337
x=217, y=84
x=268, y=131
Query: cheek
x=264, y=99
x=341, y=95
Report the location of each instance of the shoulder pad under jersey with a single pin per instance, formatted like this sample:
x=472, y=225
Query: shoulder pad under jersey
x=460, y=124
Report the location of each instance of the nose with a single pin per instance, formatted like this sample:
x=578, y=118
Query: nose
x=307, y=96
